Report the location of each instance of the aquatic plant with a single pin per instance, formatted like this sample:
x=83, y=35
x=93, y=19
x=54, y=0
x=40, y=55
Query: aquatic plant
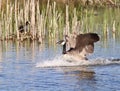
x=53, y=20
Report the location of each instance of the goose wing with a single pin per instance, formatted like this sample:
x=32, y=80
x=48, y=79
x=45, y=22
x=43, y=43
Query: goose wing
x=86, y=40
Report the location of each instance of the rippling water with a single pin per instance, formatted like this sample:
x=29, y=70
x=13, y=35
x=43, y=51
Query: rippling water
x=20, y=68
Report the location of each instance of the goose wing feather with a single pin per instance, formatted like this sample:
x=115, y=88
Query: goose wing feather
x=88, y=39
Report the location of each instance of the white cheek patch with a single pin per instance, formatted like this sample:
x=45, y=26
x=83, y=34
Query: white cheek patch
x=63, y=43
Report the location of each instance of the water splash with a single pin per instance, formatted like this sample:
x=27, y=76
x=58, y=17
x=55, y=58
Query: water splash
x=61, y=62
x=56, y=62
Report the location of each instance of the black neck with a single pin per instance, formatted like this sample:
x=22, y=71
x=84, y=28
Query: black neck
x=64, y=49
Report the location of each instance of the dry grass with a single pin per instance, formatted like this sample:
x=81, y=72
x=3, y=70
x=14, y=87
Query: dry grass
x=50, y=21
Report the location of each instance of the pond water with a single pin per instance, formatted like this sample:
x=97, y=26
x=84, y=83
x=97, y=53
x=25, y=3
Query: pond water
x=33, y=67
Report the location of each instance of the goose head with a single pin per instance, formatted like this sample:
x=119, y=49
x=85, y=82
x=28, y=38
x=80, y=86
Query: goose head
x=24, y=28
x=64, y=41
x=27, y=23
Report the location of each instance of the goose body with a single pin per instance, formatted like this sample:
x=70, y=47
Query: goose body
x=24, y=28
x=83, y=45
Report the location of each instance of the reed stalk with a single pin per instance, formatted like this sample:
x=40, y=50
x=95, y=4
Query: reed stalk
x=33, y=30
x=67, y=27
x=39, y=23
x=113, y=27
x=0, y=5
x=16, y=19
x=0, y=30
x=52, y=21
x=55, y=25
x=75, y=22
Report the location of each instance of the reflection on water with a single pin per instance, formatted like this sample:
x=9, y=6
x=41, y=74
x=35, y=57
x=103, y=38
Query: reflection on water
x=20, y=48
x=18, y=66
x=79, y=72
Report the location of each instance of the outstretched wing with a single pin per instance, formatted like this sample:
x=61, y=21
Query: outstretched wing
x=88, y=39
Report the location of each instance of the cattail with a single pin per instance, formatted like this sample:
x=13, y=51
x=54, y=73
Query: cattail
x=74, y=22
x=26, y=10
x=67, y=27
x=16, y=19
x=39, y=24
x=33, y=31
x=113, y=27
x=0, y=5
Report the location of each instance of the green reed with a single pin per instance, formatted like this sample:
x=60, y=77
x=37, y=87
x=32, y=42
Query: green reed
x=53, y=21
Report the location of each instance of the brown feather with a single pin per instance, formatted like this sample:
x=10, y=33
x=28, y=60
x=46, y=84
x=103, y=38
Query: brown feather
x=88, y=39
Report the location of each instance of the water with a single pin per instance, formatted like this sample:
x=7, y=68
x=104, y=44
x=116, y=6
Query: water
x=32, y=67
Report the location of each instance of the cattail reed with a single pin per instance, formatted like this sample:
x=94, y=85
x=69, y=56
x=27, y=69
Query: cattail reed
x=113, y=27
x=39, y=24
x=75, y=22
x=52, y=21
x=67, y=26
x=33, y=30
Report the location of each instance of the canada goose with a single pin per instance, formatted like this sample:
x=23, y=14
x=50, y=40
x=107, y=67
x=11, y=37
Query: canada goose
x=24, y=28
x=84, y=44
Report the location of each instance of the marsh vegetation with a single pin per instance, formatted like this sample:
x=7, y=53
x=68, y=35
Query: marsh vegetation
x=52, y=20
x=22, y=61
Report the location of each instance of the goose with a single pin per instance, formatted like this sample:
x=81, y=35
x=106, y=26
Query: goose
x=24, y=28
x=84, y=45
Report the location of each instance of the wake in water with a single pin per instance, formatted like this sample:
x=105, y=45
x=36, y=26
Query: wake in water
x=61, y=62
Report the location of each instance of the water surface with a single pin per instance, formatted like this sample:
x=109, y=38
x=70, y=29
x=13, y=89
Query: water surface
x=18, y=69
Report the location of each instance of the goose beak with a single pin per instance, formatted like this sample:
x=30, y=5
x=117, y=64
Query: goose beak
x=61, y=42
x=29, y=22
